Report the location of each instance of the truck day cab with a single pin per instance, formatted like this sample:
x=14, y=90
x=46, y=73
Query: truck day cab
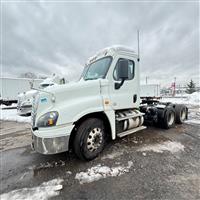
x=25, y=99
x=104, y=103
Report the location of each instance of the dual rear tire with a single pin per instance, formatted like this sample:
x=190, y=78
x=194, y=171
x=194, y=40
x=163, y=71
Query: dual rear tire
x=169, y=118
x=174, y=115
x=181, y=113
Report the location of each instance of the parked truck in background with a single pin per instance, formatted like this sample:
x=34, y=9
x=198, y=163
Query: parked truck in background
x=25, y=99
x=11, y=87
x=104, y=104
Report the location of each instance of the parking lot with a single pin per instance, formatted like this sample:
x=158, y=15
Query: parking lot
x=151, y=164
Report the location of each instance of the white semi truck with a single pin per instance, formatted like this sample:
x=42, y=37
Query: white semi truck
x=104, y=103
x=24, y=103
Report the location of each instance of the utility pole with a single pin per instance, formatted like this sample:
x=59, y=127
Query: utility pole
x=174, y=93
x=138, y=40
x=147, y=79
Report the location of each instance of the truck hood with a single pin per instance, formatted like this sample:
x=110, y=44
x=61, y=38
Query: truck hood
x=71, y=99
x=70, y=88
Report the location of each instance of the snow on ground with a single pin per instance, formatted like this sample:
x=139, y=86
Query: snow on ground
x=112, y=155
x=42, y=192
x=190, y=99
x=193, y=121
x=170, y=146
x=11, y=115
x=193, y=115
x=14, y=105
x=99, y=172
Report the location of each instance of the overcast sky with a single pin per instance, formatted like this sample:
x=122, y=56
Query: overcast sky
x=47, y=37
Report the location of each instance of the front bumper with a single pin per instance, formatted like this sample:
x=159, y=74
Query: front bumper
x=51, y=140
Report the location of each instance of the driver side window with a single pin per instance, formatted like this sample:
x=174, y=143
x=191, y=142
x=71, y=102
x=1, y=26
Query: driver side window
x=131, y=70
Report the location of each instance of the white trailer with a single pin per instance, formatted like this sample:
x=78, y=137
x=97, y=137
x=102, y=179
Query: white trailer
x=11, y=87
x=150, y=91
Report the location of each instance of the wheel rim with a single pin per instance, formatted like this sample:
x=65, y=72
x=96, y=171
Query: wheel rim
x=171, y=118
x=183, y=114
x=94, y=139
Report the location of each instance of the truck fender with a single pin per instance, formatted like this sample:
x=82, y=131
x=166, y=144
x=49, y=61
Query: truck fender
x=111, y=117
x=107, y=117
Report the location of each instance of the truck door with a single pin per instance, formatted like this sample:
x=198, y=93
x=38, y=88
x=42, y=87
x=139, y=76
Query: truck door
x=127, y=96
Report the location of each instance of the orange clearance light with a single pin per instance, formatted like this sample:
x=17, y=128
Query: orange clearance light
x=106, y=102
x=50, y=121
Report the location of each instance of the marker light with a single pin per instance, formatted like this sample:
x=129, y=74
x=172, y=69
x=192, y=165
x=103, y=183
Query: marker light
x=48, y=119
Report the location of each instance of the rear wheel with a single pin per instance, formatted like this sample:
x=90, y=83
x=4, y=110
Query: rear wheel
x=181, y=113
x=90, y=139
x=169, y=118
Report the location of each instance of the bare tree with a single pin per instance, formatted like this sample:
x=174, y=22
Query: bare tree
x=28, y=75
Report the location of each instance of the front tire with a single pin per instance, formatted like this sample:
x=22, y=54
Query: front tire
x=89, y=140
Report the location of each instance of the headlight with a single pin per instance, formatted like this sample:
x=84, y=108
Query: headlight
x=48, y=119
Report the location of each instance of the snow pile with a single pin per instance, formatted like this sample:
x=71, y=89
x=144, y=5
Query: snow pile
x=99, y=172
x=194, y=98
x=191, y=99
x=193, y=115
x=173, y=147
x=11, y=115
x=42, y=192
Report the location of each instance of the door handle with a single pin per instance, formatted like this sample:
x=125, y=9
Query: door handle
x=134, y=98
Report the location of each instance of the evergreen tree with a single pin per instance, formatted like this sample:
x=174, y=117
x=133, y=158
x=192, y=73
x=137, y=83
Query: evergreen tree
x=191, y=87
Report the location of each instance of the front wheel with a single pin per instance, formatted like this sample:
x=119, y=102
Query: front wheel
x=89, y=140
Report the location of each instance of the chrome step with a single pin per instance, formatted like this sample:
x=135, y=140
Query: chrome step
x=129, y=116
x=122, y=134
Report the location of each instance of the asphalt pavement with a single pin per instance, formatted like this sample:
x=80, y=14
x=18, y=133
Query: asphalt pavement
x=168, y=174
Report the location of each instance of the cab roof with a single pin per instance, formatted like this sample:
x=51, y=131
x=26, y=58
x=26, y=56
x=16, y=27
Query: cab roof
x=110, y=51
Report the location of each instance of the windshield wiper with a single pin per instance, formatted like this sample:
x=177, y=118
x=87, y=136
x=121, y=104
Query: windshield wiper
x=90, y=79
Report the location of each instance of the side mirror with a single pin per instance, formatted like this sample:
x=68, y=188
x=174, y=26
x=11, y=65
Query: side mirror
x=123, y=69
x=122, y=72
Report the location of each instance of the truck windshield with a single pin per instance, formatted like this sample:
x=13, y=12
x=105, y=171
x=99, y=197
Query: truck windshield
x=97, y=69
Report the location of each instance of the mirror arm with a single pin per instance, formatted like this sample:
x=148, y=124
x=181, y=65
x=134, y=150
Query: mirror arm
x=118, y=85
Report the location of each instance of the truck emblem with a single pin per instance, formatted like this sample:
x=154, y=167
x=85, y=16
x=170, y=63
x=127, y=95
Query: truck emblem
x=43, y=100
